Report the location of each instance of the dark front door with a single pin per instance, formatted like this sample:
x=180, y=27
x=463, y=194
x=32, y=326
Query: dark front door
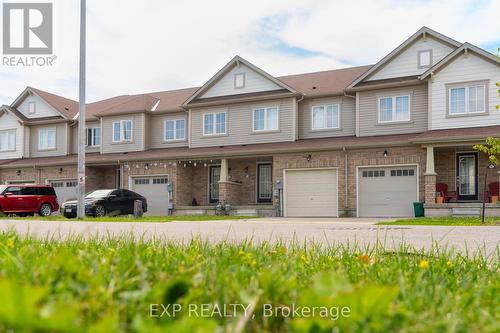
x=467, y=179
x=213, y=183
x=264, y=182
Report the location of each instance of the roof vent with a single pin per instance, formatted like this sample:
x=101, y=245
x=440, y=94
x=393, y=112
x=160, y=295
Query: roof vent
x=314, y=87
x=66, y=108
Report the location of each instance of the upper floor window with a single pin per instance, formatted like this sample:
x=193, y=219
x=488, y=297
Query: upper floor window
x=8, y=140
x=424, y=58
x=325, y=116
x=31, y=107
x=467, y=99
x=394, y=109
x=175, y=130
x=122, y=131
x=266, y=119
x=93, y=136
x=47, y=138
x=214, y=123
x=239, y=80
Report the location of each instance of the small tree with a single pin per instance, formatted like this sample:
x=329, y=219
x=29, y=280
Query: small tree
x=491, y=149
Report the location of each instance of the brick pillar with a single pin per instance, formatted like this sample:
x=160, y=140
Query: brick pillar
x=430, y=189
x=230, y=192
x=223, y=191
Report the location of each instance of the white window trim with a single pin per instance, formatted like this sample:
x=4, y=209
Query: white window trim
x=394, y=110
x=214, y=114
x=325, y=107
x=466, y=109
x=34, y=107
x=93, y=137
x=40, y=131
x=265, y=120
x=244, y=80
x=122, y=127
x=175, y=130
x=12, y=130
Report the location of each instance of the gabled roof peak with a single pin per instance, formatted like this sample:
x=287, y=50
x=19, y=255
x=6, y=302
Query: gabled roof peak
x=236, y=60
x=424, y=31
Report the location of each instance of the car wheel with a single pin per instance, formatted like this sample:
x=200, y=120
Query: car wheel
x=45, y=210
x=100, y=211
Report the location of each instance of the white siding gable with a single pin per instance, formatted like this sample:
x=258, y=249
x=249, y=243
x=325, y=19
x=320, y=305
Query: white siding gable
x=254, y=82
x=10, y=122
x=464, y=69
x=42, y=108
x=406, y=63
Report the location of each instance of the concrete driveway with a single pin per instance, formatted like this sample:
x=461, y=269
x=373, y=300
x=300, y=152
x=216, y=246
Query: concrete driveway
x=325, y=231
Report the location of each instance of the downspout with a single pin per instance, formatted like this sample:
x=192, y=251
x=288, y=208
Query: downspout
x=296, y=117
x=346, y=203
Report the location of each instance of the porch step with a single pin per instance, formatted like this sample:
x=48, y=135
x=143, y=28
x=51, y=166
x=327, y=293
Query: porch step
x=194, y=212
x=466, y=211
x=246, y=212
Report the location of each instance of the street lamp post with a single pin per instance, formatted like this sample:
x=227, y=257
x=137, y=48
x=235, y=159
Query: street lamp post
x=81, y=115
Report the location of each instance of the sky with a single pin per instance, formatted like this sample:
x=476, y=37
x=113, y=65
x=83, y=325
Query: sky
x=152, y=45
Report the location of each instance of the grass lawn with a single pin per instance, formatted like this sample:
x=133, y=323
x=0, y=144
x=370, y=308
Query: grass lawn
x=116, y=285
x=131, y=219
x=459, y=221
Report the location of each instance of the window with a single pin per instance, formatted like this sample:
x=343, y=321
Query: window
x=122, y=131
x=15, y=190
x=239, y=80
x=214, y=123
x=8, y=140
x=402, y=173
x=325, y=116
x=29, y=191
x=393, y=109
x=373, y=173
x=467, y=99
x=93, y=137
x=57, y=184
x=47, y=139
x=72, y=184
x=174, y=130
x=31, y=107
x=266, y=119
x=141, y=181
x=424, y=58
x=157, y=181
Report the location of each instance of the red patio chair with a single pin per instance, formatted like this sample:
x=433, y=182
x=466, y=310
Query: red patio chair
x=447, y=195
x=493, y=190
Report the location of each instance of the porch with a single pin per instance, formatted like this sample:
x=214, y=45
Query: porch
x=455, y=179
x=243, y=183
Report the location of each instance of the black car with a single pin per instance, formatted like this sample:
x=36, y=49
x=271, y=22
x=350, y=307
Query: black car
x=101, y=202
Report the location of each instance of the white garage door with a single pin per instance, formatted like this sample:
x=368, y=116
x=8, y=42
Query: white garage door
x=154, y=189
x=387, y=191
x=311, y=193
x=65, y=189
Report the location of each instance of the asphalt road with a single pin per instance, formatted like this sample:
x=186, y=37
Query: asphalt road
x=325, y=231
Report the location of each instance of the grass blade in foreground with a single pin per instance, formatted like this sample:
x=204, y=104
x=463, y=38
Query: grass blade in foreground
x=107, y=285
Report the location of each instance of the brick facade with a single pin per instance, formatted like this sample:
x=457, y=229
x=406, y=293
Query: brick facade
x=445, y=165
x=355, y=158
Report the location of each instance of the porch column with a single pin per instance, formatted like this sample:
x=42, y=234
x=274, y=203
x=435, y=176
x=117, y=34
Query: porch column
x=430, y=176
x=223, y=170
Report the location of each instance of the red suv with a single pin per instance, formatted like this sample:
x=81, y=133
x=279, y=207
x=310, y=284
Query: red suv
x=27, y=199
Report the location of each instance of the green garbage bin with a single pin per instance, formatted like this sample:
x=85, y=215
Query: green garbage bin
x=418, y=208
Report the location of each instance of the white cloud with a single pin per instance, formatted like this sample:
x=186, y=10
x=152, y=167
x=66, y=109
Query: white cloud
x=139, y=46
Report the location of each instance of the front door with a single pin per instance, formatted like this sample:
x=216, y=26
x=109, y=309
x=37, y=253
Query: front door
x=264, y=182
x=467, y=176
x=213, y=183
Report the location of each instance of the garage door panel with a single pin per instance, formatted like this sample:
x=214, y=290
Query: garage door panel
x=154, y=189
x=311, y=192
x=66, y=189
x=387, y=191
